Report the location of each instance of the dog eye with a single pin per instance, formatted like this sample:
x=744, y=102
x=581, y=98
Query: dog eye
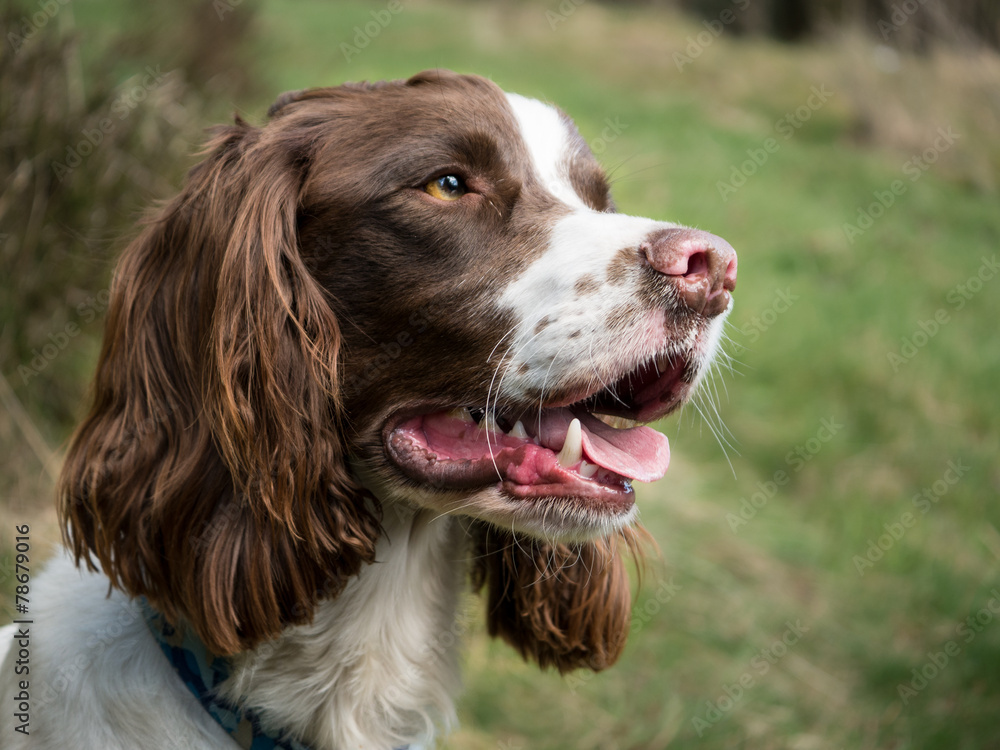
x=447, y=188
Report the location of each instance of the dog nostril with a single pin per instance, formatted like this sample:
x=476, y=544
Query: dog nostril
x=697, y=265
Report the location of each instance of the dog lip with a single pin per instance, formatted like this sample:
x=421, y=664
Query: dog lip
x=522, y=468
x=441, y=447
x=607, y=497
x=562, y=452
x=646, y=393
x=658, y=399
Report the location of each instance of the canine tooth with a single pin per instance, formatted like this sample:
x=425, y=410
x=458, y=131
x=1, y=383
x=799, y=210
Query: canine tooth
x=518, y=431
x=572, y=450
x=489, y=423
x=462, y=414
x=588, y=469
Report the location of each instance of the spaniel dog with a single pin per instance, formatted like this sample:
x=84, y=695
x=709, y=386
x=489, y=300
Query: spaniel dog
x=395, y=339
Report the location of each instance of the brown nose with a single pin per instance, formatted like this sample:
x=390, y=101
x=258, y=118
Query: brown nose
x=701, y=266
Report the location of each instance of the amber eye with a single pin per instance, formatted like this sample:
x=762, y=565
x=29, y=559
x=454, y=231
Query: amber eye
x=447, y=188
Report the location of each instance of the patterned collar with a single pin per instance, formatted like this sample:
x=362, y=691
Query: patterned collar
x=202, y=672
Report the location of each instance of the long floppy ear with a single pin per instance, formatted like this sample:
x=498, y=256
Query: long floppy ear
x=210, y=475
x=562, y=605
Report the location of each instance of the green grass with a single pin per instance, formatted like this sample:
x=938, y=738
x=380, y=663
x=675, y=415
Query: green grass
x=825, y=357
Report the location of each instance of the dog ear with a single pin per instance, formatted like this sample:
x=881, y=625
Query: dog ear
x=210, y=474
x=565, y=605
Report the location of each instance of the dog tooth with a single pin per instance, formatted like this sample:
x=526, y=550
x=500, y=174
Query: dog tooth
x=518, y=431
x=462, y=414
x=588, y=469
x=572, y=450
x=619, y=423
x=489, y=423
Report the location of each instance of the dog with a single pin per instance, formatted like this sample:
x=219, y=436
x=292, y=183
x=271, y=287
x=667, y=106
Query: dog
x=395, y=339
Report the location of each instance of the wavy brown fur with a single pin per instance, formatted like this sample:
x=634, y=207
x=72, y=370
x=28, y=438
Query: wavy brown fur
x=562, y=605
x=209, y=475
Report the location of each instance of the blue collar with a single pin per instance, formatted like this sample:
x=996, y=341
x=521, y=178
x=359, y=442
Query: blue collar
x=202, y=672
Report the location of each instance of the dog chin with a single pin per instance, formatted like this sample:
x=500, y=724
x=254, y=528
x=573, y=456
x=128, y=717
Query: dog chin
x=555, y=517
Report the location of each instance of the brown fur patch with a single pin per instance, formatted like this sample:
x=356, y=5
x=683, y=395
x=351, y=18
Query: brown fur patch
x=585, y=285
x=566, y=606
x=622, y=266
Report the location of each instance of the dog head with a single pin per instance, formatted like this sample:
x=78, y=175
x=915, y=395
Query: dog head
x=408, y=292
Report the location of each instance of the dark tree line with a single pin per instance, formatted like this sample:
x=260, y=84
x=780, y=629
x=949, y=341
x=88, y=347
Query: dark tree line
x=909, y=24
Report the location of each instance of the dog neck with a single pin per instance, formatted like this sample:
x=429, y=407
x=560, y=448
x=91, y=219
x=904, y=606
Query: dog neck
x=377, y=667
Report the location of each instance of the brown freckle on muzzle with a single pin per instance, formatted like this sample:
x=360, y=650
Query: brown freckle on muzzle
x=587, y=285
x=542, y=324
x=622, y=266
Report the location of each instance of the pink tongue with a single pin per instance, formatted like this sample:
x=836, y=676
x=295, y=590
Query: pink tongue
x=640, y=453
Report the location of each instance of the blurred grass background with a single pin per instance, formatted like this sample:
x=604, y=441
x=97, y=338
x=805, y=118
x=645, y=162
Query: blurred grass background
x=676, y=111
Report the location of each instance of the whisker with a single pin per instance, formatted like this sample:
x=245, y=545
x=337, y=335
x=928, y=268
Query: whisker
x=489, y=393
x=719, y=437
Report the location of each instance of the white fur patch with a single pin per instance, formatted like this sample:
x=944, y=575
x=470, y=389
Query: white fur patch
x=547, y=138
x=377, y=667
x=570, y=315
x=562, y=329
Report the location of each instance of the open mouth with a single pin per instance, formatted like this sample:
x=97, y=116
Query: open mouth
x=592, y=448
